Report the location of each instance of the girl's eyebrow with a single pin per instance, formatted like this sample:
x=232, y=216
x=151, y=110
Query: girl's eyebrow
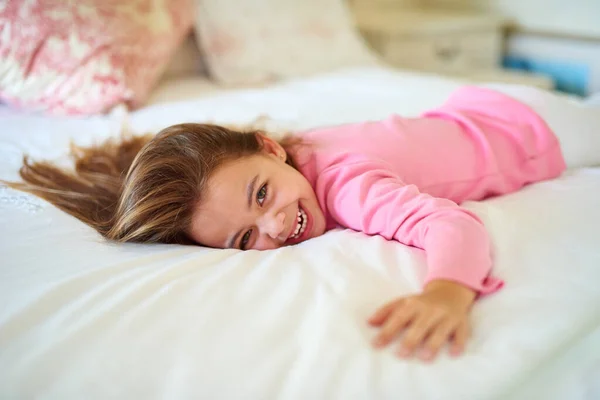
x=250, y=190
x=249, y=194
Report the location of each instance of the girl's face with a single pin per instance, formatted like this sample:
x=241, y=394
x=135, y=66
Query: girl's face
x=258, y=202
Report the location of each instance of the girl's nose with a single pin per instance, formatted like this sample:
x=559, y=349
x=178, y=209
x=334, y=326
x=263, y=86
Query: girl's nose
x=273, y=225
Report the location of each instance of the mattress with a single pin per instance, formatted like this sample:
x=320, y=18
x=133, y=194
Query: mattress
x=82, y=318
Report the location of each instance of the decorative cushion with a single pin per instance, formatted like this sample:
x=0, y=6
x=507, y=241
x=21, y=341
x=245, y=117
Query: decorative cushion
x=83, y=57
x=257, y=41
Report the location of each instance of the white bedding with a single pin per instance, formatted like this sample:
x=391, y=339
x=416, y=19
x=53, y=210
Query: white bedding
x=80, y=318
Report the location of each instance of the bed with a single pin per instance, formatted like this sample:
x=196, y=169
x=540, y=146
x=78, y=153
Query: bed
x=82, y=318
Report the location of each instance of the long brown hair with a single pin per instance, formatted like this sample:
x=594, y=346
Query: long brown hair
x=139, y=188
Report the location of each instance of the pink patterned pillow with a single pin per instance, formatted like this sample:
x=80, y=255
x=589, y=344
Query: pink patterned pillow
x=83, y=57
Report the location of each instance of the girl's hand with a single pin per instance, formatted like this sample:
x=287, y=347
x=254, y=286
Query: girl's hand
x=432, y=318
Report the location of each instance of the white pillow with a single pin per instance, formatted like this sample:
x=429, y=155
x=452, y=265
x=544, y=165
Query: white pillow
x=258, y=41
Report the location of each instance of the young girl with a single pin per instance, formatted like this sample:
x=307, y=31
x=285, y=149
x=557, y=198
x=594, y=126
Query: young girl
x=401, y=178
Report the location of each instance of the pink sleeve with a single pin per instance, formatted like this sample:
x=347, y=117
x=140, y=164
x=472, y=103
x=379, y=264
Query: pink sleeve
x=366, y=196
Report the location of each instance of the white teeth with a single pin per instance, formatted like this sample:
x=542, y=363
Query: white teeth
x=301, y=224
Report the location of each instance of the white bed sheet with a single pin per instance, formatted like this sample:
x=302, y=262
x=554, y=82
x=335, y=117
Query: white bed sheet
x=81, y=318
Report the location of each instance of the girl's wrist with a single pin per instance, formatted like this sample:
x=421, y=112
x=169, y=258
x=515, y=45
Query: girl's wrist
x=454, y=290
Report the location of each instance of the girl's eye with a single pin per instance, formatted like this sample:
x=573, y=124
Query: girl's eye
x=245, y=239
x=261, y=195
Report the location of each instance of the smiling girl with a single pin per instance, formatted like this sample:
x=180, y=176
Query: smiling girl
x=400, y=178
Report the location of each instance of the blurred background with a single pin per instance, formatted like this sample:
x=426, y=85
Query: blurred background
x=74, y=57
x=549, y=43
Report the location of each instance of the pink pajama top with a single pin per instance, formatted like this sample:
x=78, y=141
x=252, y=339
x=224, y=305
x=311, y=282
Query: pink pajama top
x=403, y=178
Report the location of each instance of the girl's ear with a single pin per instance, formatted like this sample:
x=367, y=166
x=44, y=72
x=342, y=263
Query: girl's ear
x=271, y=146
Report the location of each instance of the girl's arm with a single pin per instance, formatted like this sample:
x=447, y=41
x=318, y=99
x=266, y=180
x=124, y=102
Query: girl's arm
x=366, y=196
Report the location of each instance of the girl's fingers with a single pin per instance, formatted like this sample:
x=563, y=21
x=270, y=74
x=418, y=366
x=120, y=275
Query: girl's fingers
x=437, y=338
x=461, y=335
x=383, y=313
x=393, y=325
x=416, y=333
